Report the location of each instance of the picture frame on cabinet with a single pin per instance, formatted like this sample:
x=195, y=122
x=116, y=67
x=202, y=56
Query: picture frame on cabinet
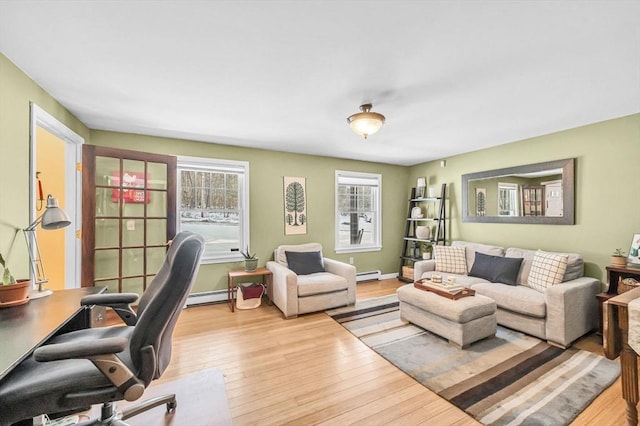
x=634, y=250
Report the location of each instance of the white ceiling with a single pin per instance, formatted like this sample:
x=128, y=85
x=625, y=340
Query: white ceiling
x=450, y=76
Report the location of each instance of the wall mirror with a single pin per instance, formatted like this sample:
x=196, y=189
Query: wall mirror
x=534, y=193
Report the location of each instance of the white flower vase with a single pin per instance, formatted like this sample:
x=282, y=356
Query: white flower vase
x=423, y=232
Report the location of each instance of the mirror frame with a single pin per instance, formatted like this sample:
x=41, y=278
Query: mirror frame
x=568, y=193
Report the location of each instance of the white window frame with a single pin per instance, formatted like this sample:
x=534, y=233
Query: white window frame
x=341, y=177
x=512, y=189
x=213, y=165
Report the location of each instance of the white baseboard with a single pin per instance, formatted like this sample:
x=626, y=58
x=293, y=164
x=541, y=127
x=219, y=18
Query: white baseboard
x=207, y=297
x=388, y=276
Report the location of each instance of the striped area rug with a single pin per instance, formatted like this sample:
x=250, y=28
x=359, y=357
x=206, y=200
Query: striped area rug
x=509, y=379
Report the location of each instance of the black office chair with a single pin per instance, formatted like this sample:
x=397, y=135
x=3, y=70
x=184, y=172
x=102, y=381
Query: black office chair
x=102, y=365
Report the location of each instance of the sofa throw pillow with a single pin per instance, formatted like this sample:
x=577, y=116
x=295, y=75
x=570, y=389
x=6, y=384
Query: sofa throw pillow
x=305, y=263
x=450, y=259
x=547, y=269
x=496, y=269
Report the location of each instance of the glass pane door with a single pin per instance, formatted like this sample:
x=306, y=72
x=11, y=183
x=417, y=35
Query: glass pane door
x=129, y=201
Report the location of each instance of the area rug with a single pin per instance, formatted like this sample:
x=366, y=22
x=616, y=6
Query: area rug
x=202, y=401
x=509, y=379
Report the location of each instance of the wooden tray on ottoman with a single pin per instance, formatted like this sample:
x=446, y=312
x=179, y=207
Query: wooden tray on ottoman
x=444, y=293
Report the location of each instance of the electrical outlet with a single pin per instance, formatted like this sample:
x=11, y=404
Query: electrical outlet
x=351, y=261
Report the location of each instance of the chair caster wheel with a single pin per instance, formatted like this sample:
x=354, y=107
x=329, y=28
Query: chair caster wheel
x=171, y=406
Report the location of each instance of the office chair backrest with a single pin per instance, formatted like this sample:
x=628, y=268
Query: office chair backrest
x=154, y=329
x=153, y=286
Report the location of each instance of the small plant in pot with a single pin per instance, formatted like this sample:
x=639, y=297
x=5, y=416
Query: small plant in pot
x=250, y=260
x=619, y=258
x=12, y=292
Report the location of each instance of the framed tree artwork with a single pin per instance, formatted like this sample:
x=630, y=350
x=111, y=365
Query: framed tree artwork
x=295, y=206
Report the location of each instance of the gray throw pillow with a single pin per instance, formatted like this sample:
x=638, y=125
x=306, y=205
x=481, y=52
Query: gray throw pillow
x=305, y=263
x=496, y=269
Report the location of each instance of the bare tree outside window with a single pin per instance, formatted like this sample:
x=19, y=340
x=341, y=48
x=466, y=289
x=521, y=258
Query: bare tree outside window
x=211, y=204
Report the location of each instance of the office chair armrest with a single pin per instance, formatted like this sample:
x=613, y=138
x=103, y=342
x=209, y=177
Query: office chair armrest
x=102, y=353
x=70, y=350
x=119, y=302
x=109, y=298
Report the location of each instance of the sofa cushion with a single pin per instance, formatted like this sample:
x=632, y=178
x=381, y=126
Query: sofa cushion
x=547, y=269
x=322, y=282
x=450, y=259
x=575, y=264
x=305, y=263
x=280, y=256
x=496, y=269
x=520, y=299
x=472, y=248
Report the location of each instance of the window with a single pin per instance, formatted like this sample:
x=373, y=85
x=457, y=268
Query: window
x=358, y=217
x=507, y=199
x=213, y=201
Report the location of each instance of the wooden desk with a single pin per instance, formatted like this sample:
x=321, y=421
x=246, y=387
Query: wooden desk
x=615, y=341
x=24, y=328
x=260, y=272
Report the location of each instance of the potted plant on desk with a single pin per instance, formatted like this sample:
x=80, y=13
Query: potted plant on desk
x=250, y=260
x=12, y=292
x=619, y=258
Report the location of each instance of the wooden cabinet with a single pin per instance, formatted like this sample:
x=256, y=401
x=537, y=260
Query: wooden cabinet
x=433, y=211
x=617, y=273
x=614, y=275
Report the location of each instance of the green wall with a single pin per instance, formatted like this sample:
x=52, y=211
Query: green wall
x=16, y=91
x=607, y=195
x=607, y=198
x=266, y=170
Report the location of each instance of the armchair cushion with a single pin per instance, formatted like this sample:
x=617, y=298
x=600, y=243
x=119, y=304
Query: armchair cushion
x=280, y=255
x=323, y=282
x=305, y=263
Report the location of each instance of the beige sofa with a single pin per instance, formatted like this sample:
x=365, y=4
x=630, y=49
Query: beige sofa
x=560, y=314
x=296, y=294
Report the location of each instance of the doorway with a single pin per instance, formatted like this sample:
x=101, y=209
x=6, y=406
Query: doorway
x=553, y=195
x=55, y=151
x=129, y=215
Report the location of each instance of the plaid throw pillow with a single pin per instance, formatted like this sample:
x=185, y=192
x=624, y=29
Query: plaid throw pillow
x=547, y=269
x=450, y=259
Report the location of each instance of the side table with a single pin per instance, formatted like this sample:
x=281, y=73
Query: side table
x=259, y=272
x=614, y=275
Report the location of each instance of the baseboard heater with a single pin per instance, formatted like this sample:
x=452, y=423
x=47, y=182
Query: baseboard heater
x=368, y=276
x=207, y=297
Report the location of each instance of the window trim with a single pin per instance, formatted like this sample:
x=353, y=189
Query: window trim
x=513, y=189
x=216, y=164
x=377, y=246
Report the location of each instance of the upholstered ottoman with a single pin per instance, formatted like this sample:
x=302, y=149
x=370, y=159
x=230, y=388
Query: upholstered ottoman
x=462, y=321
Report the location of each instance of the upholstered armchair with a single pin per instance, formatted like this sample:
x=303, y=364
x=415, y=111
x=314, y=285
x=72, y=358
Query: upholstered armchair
x=305, y=281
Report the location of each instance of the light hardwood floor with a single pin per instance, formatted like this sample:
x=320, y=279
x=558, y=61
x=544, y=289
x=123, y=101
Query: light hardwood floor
x=310, y=370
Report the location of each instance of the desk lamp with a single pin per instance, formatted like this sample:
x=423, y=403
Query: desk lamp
x=52, y=218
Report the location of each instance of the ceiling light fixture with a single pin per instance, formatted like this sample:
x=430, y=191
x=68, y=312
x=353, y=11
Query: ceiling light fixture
x=366, y=123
